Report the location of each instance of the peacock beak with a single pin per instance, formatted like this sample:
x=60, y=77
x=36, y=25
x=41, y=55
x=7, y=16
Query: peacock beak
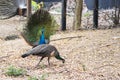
x=63, y=61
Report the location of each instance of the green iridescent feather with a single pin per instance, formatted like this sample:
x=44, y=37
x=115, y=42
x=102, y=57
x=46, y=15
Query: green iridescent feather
x=40, y=19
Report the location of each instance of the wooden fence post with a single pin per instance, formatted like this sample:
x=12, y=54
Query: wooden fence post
x=95, y=14
x=63, y=20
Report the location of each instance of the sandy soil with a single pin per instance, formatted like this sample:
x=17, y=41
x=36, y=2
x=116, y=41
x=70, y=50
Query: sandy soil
x=89, y=54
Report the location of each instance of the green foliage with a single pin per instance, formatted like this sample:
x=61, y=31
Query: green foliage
x=87, y=14
x=32, y=78
x=40, y=19
x=35, y=6
x=43, y=77
x=12, y=71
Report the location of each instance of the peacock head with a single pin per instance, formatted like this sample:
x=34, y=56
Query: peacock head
x=42, y=30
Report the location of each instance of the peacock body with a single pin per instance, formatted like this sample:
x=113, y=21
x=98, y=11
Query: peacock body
x=44, y=50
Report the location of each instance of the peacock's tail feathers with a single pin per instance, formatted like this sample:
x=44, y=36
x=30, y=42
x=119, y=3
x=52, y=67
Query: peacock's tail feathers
x=26, y=39
x=41, y=18
x=26, y=54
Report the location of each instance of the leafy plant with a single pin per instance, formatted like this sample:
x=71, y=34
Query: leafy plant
x=32, y=78
x=43, y=77
x=12, y=71
x=35, y=6
x=87, y=14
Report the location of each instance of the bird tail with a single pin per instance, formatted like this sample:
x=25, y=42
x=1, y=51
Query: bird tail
x=57, y=56
x=26, y=54
x=26, y=40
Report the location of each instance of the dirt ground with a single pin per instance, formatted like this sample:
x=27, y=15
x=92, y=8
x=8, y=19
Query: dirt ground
x=89, y=54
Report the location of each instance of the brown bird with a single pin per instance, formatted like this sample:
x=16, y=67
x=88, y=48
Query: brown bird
x=44, y=50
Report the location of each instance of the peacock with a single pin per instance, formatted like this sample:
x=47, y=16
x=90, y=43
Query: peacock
x=39, y=27
x=44, y=50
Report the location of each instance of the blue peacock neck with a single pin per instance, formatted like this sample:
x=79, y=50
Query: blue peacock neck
x=42, y=38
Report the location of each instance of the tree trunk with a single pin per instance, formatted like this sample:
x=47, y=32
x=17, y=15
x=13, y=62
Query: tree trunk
x=28, y=8
x=78, y=15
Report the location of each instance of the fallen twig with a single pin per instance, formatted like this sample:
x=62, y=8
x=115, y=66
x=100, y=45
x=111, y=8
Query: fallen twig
x=116, y=37
x=106, y=66
x=4, y=56
x=66, y=38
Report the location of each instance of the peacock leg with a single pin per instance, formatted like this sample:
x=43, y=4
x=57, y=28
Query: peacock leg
x=49, y=61
x=39, y=62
